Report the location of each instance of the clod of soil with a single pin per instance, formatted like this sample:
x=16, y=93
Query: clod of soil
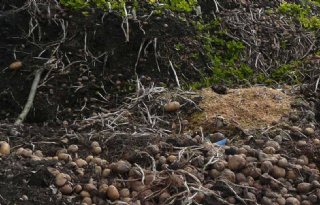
x=248, y=108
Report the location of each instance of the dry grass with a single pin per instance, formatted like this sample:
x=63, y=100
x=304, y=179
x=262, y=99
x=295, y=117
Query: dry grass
x=249, y=108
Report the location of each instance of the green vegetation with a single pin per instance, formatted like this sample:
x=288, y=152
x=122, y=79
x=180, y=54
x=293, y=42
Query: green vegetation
x=306, y=13
x=223, y=55
x=173, y=5
x=287, y=73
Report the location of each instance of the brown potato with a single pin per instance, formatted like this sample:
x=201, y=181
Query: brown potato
x=16, y=65
x=4, y=148
x=172, y=106
x=113, y=193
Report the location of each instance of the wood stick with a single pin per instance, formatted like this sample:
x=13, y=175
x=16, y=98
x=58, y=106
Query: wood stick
x=31, y=96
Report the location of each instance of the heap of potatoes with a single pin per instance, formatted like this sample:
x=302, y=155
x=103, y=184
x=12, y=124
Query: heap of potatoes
x=203, y=173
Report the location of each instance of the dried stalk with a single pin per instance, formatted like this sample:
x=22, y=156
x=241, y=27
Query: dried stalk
x=31, y=96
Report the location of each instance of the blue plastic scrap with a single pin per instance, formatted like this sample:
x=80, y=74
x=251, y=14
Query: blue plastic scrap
x=222, y=142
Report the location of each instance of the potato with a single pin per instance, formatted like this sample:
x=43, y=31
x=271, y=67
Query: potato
x=81, y=163
x=61, y=179
x=4, y=148
x=113, y=193
x=66, y=189
x=172, y=106
x=16, y=65
x=73, y=148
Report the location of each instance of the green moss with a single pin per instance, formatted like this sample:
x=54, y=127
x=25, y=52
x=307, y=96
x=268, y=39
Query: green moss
x=179, y=5
x=223, y=56
x=307, y=13
x=179, y=47
x=229, y=76
x=118, y=5
x=287, y=73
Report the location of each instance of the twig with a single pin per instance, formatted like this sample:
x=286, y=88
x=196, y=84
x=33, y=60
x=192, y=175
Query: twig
x=31, y=96
x=175, y=74
x=125, y=21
